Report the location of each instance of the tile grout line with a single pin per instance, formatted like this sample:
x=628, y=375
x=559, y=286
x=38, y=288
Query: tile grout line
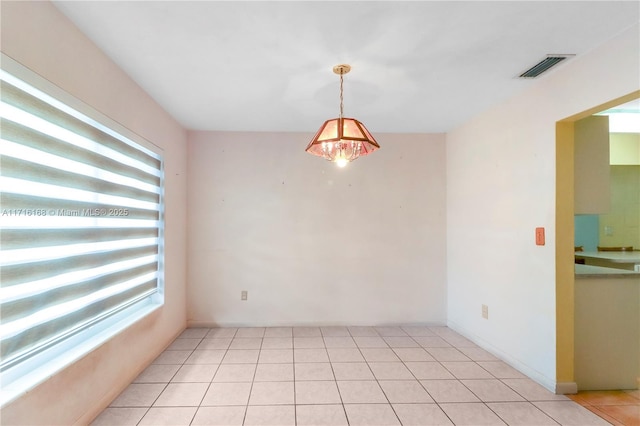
x=529, y=401
x=425, y=389
x=382, y=389
x=293, y=365
x=208, y=386
x=484, y=403
x=166, y=385
x=335, y=379
x=246, y=407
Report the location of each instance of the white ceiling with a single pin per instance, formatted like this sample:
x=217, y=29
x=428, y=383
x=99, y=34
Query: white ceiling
x=267, y=66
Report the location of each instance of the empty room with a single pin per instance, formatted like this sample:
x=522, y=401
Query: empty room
x=320, y=213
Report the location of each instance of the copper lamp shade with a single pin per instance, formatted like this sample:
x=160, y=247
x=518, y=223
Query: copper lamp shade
x=342, y=140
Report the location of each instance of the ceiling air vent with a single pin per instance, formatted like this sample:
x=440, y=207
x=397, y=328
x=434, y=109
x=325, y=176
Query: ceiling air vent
x=544, y=65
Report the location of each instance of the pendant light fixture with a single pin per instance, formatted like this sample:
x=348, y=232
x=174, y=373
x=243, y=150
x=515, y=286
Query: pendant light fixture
x=342, y=140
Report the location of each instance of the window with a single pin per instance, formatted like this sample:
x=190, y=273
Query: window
x=81, y=229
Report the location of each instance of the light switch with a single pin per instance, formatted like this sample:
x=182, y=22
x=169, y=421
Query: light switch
x=539, y=236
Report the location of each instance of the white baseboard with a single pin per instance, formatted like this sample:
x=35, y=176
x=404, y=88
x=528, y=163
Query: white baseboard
x=213, y=324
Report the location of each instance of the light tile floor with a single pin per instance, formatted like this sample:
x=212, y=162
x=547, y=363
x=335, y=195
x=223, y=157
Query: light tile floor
x=335, y=376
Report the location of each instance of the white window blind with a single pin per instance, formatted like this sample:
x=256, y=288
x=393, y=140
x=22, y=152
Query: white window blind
x=81, y=223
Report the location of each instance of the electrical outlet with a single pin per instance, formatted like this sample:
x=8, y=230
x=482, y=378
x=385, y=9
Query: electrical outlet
x=244, y=294
x=485, y=312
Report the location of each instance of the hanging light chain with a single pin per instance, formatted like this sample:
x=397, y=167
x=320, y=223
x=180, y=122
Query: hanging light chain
x=341, y=97
x=341, y=70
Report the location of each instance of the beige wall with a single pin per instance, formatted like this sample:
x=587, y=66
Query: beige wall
x=501, y=181
x=592, y=189
x=623, y=218
x=624, y=149
x=607, y=334
x=38, y=36
x=313, y=243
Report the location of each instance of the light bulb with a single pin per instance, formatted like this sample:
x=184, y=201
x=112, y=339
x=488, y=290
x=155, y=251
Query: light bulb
x=341, y=162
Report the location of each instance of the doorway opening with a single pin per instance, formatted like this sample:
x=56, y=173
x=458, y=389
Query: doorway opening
x=565, y=249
